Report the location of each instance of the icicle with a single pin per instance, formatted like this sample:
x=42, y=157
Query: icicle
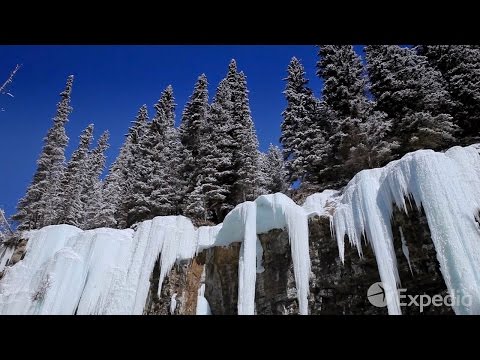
x=447, y=186
x=179, y=242
x=247, y=267
x=405, y=251
x=203, y=307
x=276, y=212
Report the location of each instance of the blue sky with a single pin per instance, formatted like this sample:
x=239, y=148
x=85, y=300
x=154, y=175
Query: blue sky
x=112, y=82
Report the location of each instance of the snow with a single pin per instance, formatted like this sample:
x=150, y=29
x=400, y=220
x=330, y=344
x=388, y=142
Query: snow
x=321, y=204
x=447, y=186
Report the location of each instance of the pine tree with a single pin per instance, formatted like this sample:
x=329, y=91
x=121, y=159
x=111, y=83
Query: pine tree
x=263, y=175
x=274, y=170
x=246, y=153
x=196, y=202
x=298, y=119
x=413, y=95
x=344, y=83
x=216, y=155
x=118, y=181
x=193, y=136
x=92, y=187
x=460, y=67
x=167, y=185
x=137, y=202
x=36, y=208
x=156, y=187
x=357, y=133
x=73, y=181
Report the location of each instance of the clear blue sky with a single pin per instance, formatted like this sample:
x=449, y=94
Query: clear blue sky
x=112, y=82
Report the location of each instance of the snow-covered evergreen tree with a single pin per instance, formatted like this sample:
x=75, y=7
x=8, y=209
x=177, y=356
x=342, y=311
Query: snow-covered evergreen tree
x=344, y=88
x=74, y=177
x=195, y=202
x=156, y=187
x=460, y=67
x=118, y=181
x=137, y=202
x=245, y=138
x=92, y=187
x=413, y=95
x=167, y=184
x=193, y=136
x=275, y=170
x=263, y=175
x=36, y=208
x=298, y=118
x=216, y=155
x=357, y=133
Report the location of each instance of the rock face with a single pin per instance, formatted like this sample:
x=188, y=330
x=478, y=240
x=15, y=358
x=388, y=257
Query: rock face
x=335, y=288
x=184, y=281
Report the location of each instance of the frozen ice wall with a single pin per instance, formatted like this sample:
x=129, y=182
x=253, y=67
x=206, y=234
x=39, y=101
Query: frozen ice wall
x=447, y=186
x=107, y=271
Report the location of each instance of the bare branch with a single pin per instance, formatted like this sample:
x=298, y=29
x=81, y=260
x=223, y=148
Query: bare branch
x=4, y=222
x=3, y=88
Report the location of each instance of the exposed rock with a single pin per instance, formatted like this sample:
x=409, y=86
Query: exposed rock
x=335, y=288
x=183, y=280
x=221, y=279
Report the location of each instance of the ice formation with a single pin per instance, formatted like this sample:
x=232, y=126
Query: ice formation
x=203, y=308
x=106, y=271
x=405, y=250
x=447, y=186
x=321, y=204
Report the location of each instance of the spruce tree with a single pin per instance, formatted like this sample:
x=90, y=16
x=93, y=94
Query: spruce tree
x=274, y=170
x=193, y=136
x=216, y=155
x=357, y=133
x=298, y=119
x=460, y=67
x=36, y=208
x=73, y=181
x=167, y=185
x=138, y=202
x=156, y=187
x=246, y=151
x=263, y=175
x=344, y=88
x=92, y=186
x=118, y=182
x=413, y=95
